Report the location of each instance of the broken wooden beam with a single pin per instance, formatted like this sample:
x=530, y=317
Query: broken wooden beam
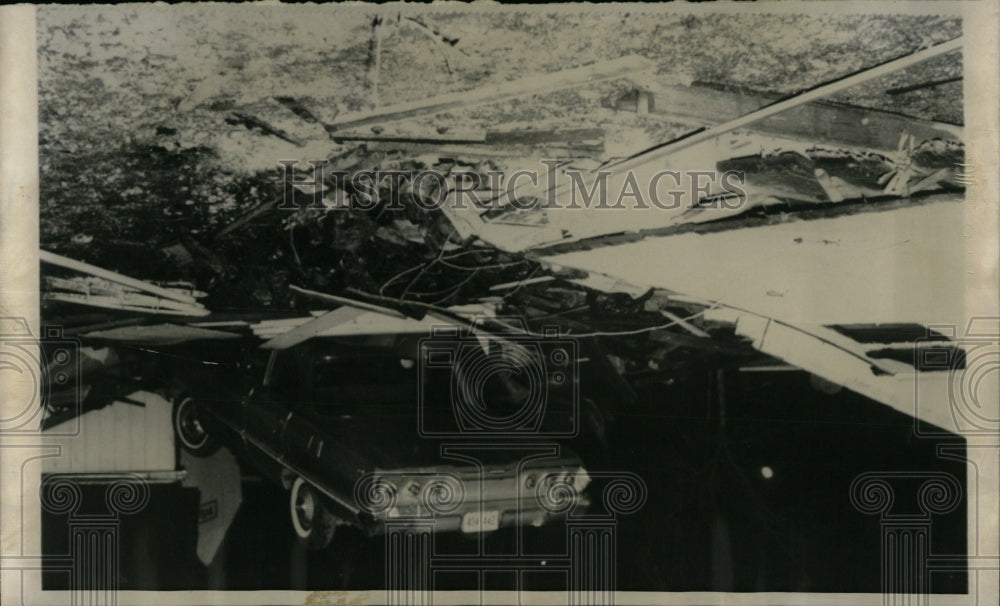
x=814, y=94
x=691, y=328
x=703, y=104
x=543, y=136
x=311, y=328
x=93, y=270
x=429, y=139
x=933, y=83
x=570, y=137
x=298, y=108
x=531, y=85
x=252, y=122
x=131, y=302
x=248, y=216
x=346, y=301
x=764, y=217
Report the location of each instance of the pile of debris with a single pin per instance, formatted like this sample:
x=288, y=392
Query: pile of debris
x=357, y=229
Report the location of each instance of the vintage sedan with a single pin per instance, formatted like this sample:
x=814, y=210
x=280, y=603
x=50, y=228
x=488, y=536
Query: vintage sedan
x=347, y=426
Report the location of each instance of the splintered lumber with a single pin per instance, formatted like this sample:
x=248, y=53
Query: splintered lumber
x=298, y=108
x=814, y=94
x=310, y=329
x=532, y=85
x=376, y=54
x=460, y=138
x=99, y=286
x=252, y=122
x=574, y=137
x=520, y=283
x=542, y=136
x=150, y=305
x=88, y=286
x=248, y=216
x=347, y=301
x=160, y=334
x=909, y=89
x=93, y=270
x=132, y=299
x=691, y=328
x=767, y=217
x=705, y=104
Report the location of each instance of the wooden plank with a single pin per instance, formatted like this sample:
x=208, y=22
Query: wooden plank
x=128, y=299
x=470, y=151
x=572, y=137
x=543, y=136
x=662, y=151
x=116, y=303
x=248, y=216
x=118, y=438
x=532, y=85
x=160, y=334
x=933, y=83
x=94, y=286
x=520, y=283
x=771, y=270
x=427, y=139
x=347, y=301
x=691, y=328
x=820, y=121
x=767, y=217
x=252, y=122
x=67, y=263
x=312, y=328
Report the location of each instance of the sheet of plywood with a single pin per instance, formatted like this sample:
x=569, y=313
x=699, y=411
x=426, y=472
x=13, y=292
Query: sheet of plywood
x=901, y=265
x=135, y=436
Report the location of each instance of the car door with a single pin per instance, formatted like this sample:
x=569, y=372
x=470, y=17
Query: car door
x=269, y=407
x=344, y=422
x=319, y=435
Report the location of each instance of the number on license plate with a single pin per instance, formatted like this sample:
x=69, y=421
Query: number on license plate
x=476, y=521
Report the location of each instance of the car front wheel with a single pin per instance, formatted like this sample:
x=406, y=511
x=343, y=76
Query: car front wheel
x=313, y=523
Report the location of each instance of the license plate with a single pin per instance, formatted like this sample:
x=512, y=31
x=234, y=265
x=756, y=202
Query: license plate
x=476, y=521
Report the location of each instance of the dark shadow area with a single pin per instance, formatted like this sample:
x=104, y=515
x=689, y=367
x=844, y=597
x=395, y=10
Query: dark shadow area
x=748, y=490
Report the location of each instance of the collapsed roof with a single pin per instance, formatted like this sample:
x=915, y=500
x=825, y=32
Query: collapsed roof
x=838, y=224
